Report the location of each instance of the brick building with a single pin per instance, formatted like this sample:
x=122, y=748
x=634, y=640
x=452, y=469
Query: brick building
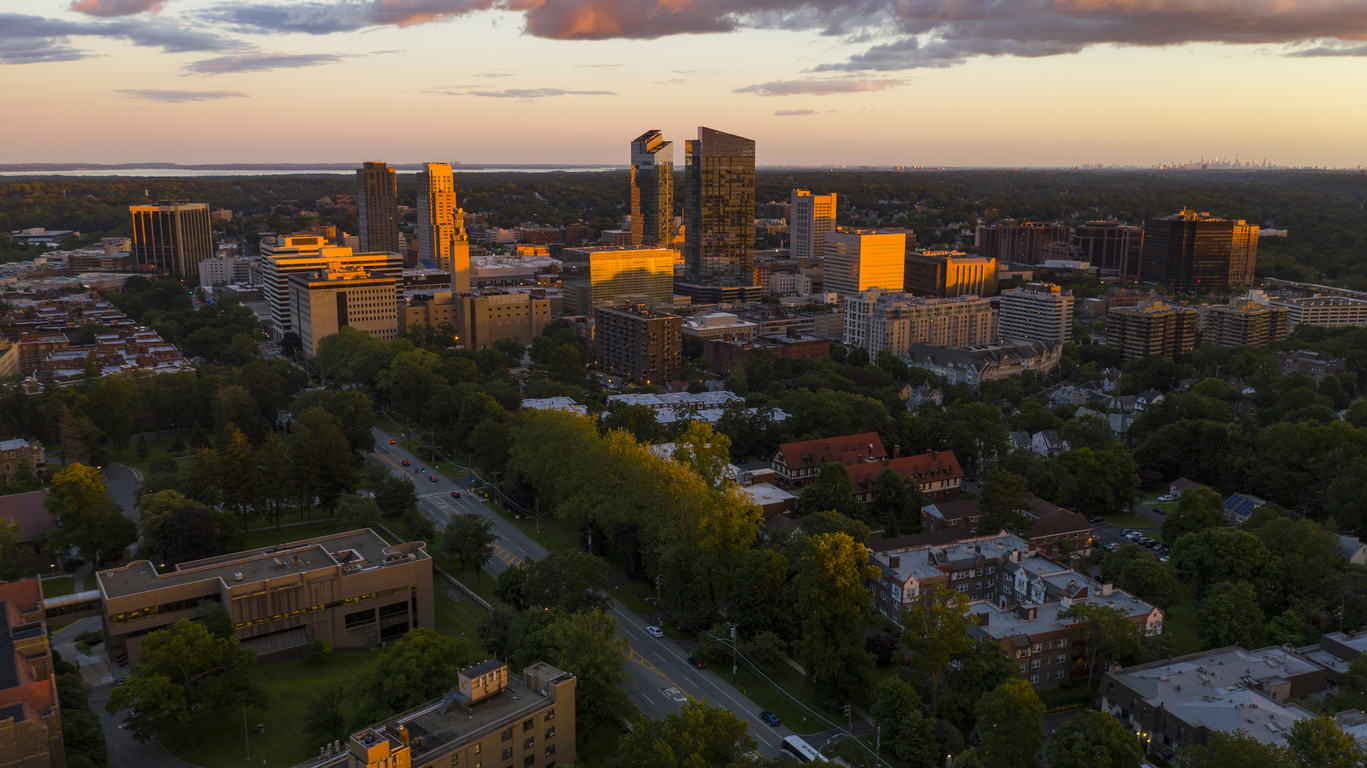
x=30, y=721
x=639, y=343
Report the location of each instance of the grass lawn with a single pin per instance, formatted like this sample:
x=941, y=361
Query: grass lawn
x=270, y=537
x=61, y=585
x=288, y=686
x=129, y=455
x=797, y=719
x=457, y=617
x=1130, y=521
x=1180, y=626
x=92, y=582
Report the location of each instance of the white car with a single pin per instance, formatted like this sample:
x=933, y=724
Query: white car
x=655, y=632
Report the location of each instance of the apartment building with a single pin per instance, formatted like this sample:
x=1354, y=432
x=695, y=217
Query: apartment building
x=811, y=218
x=1243, y=323
x=639, y=343
x=949, y=274
x=482, y=318
x=352, y=589
x=652, y=190
x=377, y=208
x=337, y=297
x=19, y=451
x=1191, y=251
x=1039, y=311
x=1053, y=528
x=859, y=259
x=730, y=354
x=1316, y=365
x=989, y=362
x=881, y=320
x=1110, y=245
x=1019, y=242
x=936, y=473
x=1152, y=328
x=30, y=721
x=227, y=271
x=797, y=464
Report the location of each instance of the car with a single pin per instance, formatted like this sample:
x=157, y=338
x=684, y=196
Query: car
x=472, y=515
x=1112, y=548
x=1127, y=532
x=433, y=478
x=455, y=494
x=120, y=680
x=770, y=719
x=406, y=462
x=1163, y=559
x=655, y=631
x=393, y=442
x=697, y=662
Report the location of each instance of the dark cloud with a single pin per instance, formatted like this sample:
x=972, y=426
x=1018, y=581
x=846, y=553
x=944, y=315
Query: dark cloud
x=531, y=93
x=177, y=97
x=307, y=18
x=115, y=7
x=260, y=62
x=27, y=39
x=794, y=112
x=818, y=87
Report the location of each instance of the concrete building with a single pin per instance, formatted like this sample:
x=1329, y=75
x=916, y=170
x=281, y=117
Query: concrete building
x=812, y=218
x=881, y=320
x=949, y=274
x=1039, y=311
x=342, y=296
x=20, y=451
x=172, y=236
x=652, y=190
x=1110, y=245
x=1191, y=251
x=1243, y=322
x=974, y=365
x=859, y=259
x=351, y=589
x=30, y=719
x=489, y=718
x=441, y=225
x=377, y=207
x=483, y=318
x=606, y=276
x=719, y=217
x=1324, y=311
x=285, y=255
x=242, y=270
x=1153, y=328
x=638, y=343
x=789, y=284
x=720, y=325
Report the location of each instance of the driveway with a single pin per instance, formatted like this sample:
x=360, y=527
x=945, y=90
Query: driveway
x=124, y=751
x=122, y=483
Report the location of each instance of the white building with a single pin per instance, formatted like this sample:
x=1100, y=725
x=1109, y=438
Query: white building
x=1038, y=311
x=879, y=320
x=242, y=270
x=789, y=284
x=720, y=325
x=811, y=217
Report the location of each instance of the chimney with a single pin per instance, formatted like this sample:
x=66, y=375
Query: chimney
x=934, y=456
x=894, y=561
x=982, y=618
x=1073, y=561
x=1107, y=588
x=897, y=451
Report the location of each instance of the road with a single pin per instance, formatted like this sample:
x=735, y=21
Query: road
x=121, y=483
x=661, y=677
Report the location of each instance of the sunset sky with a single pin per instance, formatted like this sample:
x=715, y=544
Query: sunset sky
x=908, y=82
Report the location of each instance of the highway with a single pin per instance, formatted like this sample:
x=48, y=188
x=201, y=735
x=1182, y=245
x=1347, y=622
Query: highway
x=661, y=677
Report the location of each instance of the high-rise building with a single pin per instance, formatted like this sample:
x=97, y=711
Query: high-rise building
x=597, y=277
x=1243, y=253
x=1017, y=242
x=1243, y=323
x=441, y=225
x=859, y=259
x=652, y=190
x=377, y=207
x=639, y=343
x=719, y=216
x=879, y=320
x=946, y=274
x=1039, y=311
x=284, y=255
x=812, y=216
x=1110, y=245
x=342, y=296
x=1190, y=251
x=172, y=236
x=1153, y=328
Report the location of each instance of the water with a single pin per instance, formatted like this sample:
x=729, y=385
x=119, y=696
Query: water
x=191, y=173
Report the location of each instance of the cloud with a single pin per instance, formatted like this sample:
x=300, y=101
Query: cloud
x=1356, y=50
x=30, y=39
x=177, y=97
x=492, y=74
x=531, y=93
x=794, y=112
x=260, y=62
x=115, y=7
x=307, y=18
x=818, y=87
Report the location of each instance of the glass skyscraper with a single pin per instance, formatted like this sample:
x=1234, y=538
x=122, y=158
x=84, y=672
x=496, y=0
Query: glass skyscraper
x=719, y=210
x=652, y=190
x=172, y=236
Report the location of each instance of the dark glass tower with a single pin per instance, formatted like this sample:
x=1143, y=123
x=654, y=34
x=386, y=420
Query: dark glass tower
x=172, y=236
x=652, y=190
x=378, y=208
x=1187, y=251
x=719, y=210
x=1110, y=245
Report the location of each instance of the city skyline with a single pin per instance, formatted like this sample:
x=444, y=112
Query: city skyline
x=825, y=83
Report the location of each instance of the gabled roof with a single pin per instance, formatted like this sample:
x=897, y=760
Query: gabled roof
x=848, y=450
x=1242, y=505
x=937, y=538
x=1182, y=484
x=28, y=511
x=936, y=465
x=1067, y=522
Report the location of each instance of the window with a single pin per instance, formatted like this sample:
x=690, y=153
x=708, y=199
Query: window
x=360, y=619
x=397, y=609
x=550, y=715
x=550, y=733
x=529, y=742
x=528, y=760
x=1034, y=678
x=508, y=753
x=478, y=748
x=1058, y=674
x=1022, y=669
x=1181, y=733
x=1037, y=648
x=1063, y=643
x=390, y=633
x=1034, y=664
x=507, y=735
x=550, y=750
x=527, y=725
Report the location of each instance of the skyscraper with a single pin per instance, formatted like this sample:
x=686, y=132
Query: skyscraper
x=652, y=190
x=1191, y=250
x=172, y=236
x=859, y=259
x=719, y=215
x=811, y=217
x=1110, y=245
x=441, y=225
x=378, y=207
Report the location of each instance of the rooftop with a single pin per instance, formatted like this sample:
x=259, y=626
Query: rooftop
x=764, y=493
x=1010, y=622
x=921, y=559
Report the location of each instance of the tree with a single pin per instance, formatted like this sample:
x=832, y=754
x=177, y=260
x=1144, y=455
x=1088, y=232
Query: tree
x=1196, y=511
x=570, y=581
x=193, y=534
x=396, y=496
x=1149, y=579
x=1235, y=750
x=239, y=463
x=1012, y=722
x=696, y=735
x=756, y=603
x=273, y=475
x=936, y=630
x=184, y=671
x=1286, y=628
x=832, y=491
x=1218, y=554
x=639, y=421
x=1319, y=743
x=1003, y=498
x=706, y=452
x=16, y=560
x=421, y=666
x=834, y=606
x=323, y=717
x=356, y=512
x=586, y=645
x=205, y=481
x=896, y=504
x=471, y=540
x=1109, y=633
x=86, y=517
x=830, y=521
x=910, y=734
x=978, y=669
x=1092, y=739
x=1229, y=615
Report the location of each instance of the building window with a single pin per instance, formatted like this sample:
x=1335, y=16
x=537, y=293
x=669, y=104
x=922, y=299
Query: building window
x=1037, y=648
x=1034, y=678
x=507, y=735
x=397, y=609
x=479, y=748
x=527, y=725
x=508, y=753
x=550, y=750
x=1063, y=643
x=550, y=733
x=528, y=760
x=1058, y=674
x=1034, y=664
x=529, y=742
x=360, y=619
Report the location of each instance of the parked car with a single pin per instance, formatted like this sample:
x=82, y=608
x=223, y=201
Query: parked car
x=697, y=662
x=1113, y=548
x=770, y=719
x=655, y=632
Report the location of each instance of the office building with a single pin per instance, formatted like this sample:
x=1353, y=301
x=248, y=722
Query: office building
x=1039, y=311
x=1191, y=251
x=720, y=325
x=342, y=296
x=879, y=320
x=638, y=343
x=441, y=225
x=971, y=367
x=1018, y=243
x=719, y=217
x=1324, y=311
x=605, y=276
x=352, y=589
x=285, y=255
x=30, y=721
x=1243, y=323
x=482, y=318
x=652, y=190
x=172, y=236
x=948, y=274
x=377, y=207
x=859, y=259
x=1152, y=328
x=1110, y=245
x=813, y=216
x=243, y=270
x=1243, y=253
x=490, y=719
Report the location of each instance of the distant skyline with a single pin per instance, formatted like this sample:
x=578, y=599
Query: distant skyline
x=965, y=83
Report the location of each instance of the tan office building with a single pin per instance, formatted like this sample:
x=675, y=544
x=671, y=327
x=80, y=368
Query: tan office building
x=481, y=319
x=600, y=277
x=1243, y=322
x=442, y=240
x=812, y=217
x=947, y=274
x=340, y=296
x=879, y=320
x=1152, y=328
x=285, y=255
x=639, y=343
x=172, y=236
x=860, y=259
x=352, y=589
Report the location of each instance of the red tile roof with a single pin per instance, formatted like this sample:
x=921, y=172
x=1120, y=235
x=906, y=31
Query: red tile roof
x=28, y=511
x=848, y=450
x=928, y=467
x=27, y=594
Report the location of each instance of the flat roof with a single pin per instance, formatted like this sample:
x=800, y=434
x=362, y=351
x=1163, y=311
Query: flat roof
x=915, y=562
x=457, y=723
x=764, y=493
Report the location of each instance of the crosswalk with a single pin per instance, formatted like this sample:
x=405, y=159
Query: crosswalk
x=433, y=495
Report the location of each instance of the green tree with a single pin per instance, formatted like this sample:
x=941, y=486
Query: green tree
x=907, y=731
x=834, y=606
x=1229, y=615
x=1108, y=631
x=356, y=512
x=1218, y=554
x=697, y=735
x=936, y=630
x=1286, y=628
x=1092, y=739
x=586, y=645
x=323, y=716
x=976, y=670
x=239, y=463
x=471, y=540
x=421, y=666
x=396, y=496
x=1235, y=750
x=86, y=518
x=16, y=560
x=706, y=452
x=273, y=475
x=639, y=421
x=1318, y=742
x=204, y=484
x=896, y=504
x=1003, y=498
x=1196, y=511
x=184, y=671
x=1011, y=719
x=832, y=490
x=570, y=581
x=830, y=521
x=756, y=603
x=1151, y=580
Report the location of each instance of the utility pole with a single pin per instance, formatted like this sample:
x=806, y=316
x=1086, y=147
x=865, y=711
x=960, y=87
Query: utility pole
x=733, y=654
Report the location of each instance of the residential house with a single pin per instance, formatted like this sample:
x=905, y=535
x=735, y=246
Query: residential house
x=797, y=464
x=1020, y=441
x=1352, y=549
x=1239, y=506
x=1119, y=422
x=1316, y=365
x=1048, y=443
x=28, y=511
x=937, y=473
x=915, y=397
x=1181, y=485
x=1069, y=394
x=1147, y=399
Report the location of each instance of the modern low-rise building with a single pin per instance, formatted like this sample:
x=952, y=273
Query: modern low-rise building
x=285, y=255
x=719, y=325
x=1316, y=365
x=342, y=296
x=936, y=473
x=242, y=270
x=1155, y=328
x=30, y=718
x=1050, y=525
x=729, y=354
x=1324, y=311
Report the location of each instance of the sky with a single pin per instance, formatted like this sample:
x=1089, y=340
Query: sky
x=891, y=82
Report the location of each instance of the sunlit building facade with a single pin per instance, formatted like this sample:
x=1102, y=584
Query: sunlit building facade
x=946, y=274
x=859, y=259
x=812, y=217
x=652, y=190
x=172, y=236
x=597, y=277
x=719, y=210
x=441, y=225
x=377, y=203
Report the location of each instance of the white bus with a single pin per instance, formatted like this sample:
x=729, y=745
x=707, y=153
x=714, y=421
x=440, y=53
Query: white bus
x=794, y=748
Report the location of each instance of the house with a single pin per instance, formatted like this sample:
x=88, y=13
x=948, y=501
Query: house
x=1239, y=506
x=28, y=511
x=797, y=464
x=1069, y=394
x=1047, y=443
x=915, y=397
x=1181, y=485
x=1020, y=441
x=1050, y=525
x=1119, y=422
x=1352, y=549
x=1147, y=399
x=1110, y=380
x=937, y=473
x=1126, y=403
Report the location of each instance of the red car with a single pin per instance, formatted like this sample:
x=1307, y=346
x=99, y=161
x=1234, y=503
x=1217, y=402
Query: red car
x=455, y=494
x=433, y=478
x=405, y=462
x=392, y=442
